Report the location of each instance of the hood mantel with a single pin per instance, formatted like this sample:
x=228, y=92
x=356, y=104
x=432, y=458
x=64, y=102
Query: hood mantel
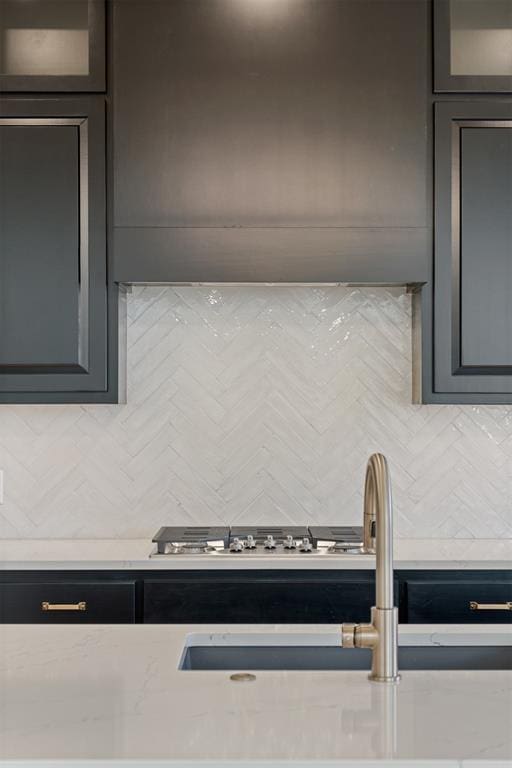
x=377, y=255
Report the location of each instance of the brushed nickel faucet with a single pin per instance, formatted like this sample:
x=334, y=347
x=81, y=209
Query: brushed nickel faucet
x=381, y=635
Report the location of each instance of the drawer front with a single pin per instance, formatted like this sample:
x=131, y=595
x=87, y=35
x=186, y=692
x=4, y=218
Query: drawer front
x=68, y=603
x=459, y=602
x=256, y=602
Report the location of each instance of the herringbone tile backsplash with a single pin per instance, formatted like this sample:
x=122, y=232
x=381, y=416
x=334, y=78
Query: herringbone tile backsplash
x=257, y=405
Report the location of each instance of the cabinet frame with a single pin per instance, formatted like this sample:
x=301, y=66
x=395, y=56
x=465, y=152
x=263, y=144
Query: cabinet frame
x=444, y=81
x=94, y=82
x=89, y=379
x=451, y=378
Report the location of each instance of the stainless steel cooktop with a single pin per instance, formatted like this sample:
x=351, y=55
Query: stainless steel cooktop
x=249, y=541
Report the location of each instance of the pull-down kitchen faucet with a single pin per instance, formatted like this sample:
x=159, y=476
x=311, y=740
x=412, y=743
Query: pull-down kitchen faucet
x=381, y=635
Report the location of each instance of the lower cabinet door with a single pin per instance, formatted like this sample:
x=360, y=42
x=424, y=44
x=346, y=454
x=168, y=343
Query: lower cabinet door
x=68, y=603
x=459, y=602
x=284, y=601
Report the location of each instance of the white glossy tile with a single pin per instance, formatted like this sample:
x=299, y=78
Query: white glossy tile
x=257, y=404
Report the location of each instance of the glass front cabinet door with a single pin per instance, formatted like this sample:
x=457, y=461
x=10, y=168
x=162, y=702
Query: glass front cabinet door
x=473, y=46
x=52, y=45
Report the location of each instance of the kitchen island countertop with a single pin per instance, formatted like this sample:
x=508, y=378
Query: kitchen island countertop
x=113, y=695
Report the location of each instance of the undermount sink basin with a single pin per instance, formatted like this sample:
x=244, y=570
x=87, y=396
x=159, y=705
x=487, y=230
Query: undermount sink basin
x=260, y=652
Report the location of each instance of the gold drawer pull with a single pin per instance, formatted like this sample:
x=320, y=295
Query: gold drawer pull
x=490, y=606
x=81, y=606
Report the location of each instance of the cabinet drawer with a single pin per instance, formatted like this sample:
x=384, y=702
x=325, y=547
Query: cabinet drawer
x=450, y=602
x=68, y=603
x=256, y=602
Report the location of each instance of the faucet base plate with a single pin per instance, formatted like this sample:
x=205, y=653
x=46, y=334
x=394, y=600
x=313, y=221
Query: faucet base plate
x=378, y=679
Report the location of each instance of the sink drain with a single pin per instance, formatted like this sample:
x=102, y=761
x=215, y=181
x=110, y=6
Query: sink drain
x=242, y=677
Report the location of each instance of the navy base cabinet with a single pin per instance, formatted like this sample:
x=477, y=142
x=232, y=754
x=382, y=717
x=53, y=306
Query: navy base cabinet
x=67, y=602
x=459, y=602
x=252, y=597
x=275, y=599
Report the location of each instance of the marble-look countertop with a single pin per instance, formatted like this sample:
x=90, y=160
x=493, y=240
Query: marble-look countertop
x=120, y=554
x=113, y=695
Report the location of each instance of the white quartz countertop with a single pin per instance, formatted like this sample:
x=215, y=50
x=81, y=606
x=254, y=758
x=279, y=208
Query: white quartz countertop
x=113, y=695
x=92, y=554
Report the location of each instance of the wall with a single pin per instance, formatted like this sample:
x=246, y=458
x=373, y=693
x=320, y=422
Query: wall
x=257, y=405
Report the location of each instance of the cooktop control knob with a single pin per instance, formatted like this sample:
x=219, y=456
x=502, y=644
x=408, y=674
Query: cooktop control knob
x=289, y=542
x=269, y=542
x=249, y=542
x=305, y=545
x=236, y=545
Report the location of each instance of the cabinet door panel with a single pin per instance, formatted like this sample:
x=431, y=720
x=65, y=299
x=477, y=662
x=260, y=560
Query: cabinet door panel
x=277, y=600
x=449, y=602
x=473, y=251
x=53, y=293
x=486, y=245
x=39, y=169
x=67, y=603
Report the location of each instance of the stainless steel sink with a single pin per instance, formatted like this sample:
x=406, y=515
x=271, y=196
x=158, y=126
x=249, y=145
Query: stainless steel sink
x=293, y=657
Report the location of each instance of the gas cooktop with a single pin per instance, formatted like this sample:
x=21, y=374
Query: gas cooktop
x=263, y=540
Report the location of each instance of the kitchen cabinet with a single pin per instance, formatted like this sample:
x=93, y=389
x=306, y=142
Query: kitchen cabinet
x=52, y=45
x=57, y=316
x=459, y=602
x=271, y=141
x=472, y=308
x=253, y=597
x=276, y=599
x=473, y=46
x=61, y=602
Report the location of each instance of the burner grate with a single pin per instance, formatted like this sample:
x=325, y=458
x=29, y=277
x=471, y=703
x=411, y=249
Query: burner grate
x=350, y=535
x=190, y=535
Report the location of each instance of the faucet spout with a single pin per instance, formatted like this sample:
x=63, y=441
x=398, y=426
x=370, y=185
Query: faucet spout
x=378, y=505
x=381, y=635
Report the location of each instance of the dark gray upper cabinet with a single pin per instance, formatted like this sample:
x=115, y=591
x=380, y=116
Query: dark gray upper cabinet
x=52, y=45
x=270, y=141
x=472, y=344
x=473, y=45
x=54, y=322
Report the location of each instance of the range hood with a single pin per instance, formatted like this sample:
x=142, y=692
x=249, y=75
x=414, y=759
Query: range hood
x=393, y=256
x=289, y=145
